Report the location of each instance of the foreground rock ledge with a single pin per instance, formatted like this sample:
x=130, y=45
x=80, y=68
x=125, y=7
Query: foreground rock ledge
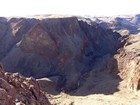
x=18, y=90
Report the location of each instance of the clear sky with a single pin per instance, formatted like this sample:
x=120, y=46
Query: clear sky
x=74, y=7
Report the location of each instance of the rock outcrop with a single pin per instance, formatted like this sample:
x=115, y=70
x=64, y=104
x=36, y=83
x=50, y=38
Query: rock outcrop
x=128, y=58
x=18, y=90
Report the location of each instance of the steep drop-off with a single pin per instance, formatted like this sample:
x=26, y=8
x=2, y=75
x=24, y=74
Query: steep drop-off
x=64, y=48
x=79, y=57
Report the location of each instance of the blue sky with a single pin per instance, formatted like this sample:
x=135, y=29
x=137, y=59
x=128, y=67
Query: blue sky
x=74, y=7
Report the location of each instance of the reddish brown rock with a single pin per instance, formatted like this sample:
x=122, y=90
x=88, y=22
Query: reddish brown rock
x=3, y=94
x=65, y=47
x=16, y=89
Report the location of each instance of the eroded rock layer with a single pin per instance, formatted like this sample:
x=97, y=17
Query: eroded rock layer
x=18, y=90
x=128, y=59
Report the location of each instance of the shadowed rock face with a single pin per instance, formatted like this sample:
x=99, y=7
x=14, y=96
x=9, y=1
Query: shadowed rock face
x=64, y=47
x=54, y=38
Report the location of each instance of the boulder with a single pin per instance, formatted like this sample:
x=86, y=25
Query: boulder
x=18, y=90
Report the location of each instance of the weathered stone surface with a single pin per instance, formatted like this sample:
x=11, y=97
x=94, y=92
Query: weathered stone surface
x=3, y=94
x=18, y=90
x=128, y=58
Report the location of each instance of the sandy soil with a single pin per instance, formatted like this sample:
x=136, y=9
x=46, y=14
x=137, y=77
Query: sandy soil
x=96, y=99
x=103, y=89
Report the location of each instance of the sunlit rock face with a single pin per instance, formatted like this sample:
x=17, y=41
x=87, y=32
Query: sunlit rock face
x=65, y=47
x=18, y=90
x=127, y=55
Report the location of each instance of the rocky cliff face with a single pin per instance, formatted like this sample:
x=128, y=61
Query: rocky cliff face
x=128, y=58
x=125, y=62
x=18, y=90
x=63, y=47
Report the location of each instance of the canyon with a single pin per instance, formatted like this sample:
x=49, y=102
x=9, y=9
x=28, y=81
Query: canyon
x=73, y=57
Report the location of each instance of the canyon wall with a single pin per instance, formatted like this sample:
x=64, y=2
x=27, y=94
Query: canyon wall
x=63, y=48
